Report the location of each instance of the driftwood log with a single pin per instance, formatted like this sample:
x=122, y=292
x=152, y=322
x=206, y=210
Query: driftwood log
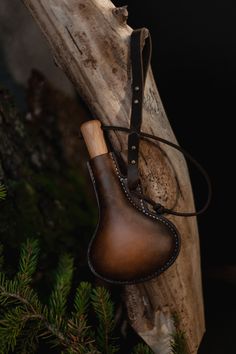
x=90, y=42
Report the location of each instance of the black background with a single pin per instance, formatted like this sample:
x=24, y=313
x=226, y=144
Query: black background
x=194, y=56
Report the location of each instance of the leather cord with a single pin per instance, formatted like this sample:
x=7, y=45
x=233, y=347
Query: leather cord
x=140, y=51
x=160, y=209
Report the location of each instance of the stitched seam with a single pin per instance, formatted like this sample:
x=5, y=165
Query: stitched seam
x=143, y=210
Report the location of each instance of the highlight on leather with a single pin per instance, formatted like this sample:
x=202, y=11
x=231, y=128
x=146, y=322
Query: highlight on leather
x=130, y=244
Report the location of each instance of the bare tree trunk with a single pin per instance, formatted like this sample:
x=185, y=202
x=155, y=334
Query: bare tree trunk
x=90, y=42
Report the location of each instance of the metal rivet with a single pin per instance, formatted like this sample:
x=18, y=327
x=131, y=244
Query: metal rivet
x=133, y=162
x=136, y=88
x=136, y=101
x=133, y=147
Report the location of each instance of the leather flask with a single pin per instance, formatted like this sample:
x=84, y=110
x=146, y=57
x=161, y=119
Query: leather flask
x=131, y=243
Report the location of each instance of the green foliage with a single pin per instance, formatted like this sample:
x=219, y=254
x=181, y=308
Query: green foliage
x=62, y=286
x=82, y=299
x=19, y=305
x=1, y=256
x=104, y=310
x=25, y=320
x=14, y=319
x=142, y=349
x=28, y=261
x=3, y=191
x=178, y=341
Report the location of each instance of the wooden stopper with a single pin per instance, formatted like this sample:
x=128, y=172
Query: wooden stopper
x=94, y=138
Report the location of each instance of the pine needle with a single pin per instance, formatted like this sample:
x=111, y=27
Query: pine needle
x=24, y=320
x=3, y=191
x=82, y=299
x=62, y=286
x=142, y=348
x=179, y=345
x=10, y=328
x=28, y=260
x=104, y=310
x=1, y=256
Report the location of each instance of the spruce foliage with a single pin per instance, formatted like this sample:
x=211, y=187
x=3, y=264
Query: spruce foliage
x=104, y=310
x=179, y=345
x=3, y=191
x=1, y=256
x=142, y=349
x=25, y=320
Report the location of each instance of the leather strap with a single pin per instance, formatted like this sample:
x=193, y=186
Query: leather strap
x=140, y=52
x=160, y=209
x=140, y=63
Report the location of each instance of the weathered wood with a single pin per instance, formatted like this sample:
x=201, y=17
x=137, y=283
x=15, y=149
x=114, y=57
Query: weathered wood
x=90, y=42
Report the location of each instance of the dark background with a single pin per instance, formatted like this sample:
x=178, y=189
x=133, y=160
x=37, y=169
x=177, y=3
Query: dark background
x=194, y=56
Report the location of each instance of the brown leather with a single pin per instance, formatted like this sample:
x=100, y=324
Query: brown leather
x=140, y=55
x=130, y=243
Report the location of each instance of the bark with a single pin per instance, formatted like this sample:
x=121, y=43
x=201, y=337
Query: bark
x=90, y=42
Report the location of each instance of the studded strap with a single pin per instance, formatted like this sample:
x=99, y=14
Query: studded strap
x=140, y=52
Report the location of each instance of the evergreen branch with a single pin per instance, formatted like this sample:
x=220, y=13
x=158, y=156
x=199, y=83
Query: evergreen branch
x=82, y=300
x=104, y=310
x=11, y=292
x=78, y=328
x=77, y=333
x=142, y=348
x=25, y=297
x=28, y=342
x=1, y=256
x=10, y=328
x=58, y=298
x=178, y=345
x=24, y=319
x=28, y=261
x=28, y=301
x=3, y=191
